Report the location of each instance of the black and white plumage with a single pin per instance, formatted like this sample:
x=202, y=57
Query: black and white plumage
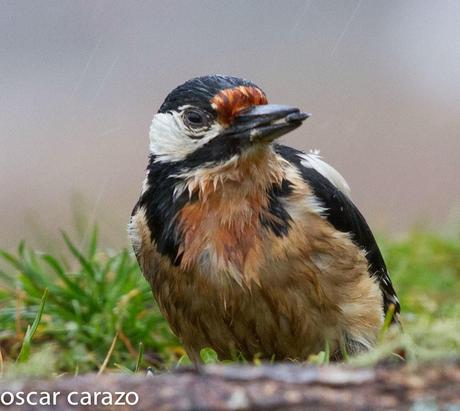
x=251, y=246
x=333, y=192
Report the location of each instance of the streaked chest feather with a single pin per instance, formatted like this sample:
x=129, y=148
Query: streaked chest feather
x=223, y=232
x=224, y=228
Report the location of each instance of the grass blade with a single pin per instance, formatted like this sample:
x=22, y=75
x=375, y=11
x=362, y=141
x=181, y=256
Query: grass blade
x=76, y=290
x=13, y=261
x=387, y=321
x=109, y=354
x=139, y=357
x=26, y=343
x=83, y=261
x=92, y=248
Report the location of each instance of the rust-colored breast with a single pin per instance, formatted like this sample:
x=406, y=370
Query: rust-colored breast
x=229, y=226
x=229, y=102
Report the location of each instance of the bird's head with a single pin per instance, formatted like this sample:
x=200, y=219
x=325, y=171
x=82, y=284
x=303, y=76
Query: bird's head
x=212, y=172
x=212, y=119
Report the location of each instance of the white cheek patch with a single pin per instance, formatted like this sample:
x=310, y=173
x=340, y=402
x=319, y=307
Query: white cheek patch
x=313, y=160
x=169, y=140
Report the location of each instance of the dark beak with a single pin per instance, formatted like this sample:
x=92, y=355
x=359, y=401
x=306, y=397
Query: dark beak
x=266, y=122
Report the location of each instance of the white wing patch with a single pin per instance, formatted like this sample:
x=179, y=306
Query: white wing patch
x=313, y=160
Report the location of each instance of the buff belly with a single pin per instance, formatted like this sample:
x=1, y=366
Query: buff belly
x=289, y=320
x=305, y=293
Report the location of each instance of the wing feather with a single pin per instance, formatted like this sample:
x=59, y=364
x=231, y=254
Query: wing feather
x=331, y=189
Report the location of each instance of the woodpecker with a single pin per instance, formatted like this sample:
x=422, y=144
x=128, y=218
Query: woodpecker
x=252, y=247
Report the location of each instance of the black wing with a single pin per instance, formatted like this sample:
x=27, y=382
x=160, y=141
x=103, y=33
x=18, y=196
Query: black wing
x=345, y=217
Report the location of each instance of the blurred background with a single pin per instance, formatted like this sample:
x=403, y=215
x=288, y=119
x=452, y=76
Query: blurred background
x=80, y=82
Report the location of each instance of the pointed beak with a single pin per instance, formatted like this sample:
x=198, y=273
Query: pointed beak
x=265, y=123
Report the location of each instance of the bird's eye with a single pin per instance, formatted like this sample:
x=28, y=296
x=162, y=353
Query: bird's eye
x=196, y=119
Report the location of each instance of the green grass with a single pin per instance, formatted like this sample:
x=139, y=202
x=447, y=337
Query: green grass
x=93, y=297
x=91, y=310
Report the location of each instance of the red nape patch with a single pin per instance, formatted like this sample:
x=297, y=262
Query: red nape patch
x=229, y=102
